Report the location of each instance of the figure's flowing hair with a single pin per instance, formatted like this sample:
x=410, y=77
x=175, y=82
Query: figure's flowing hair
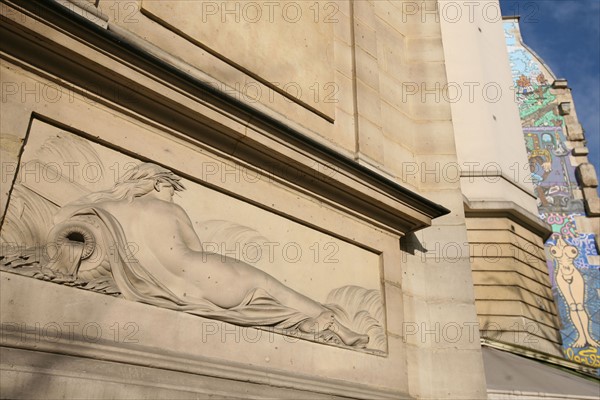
x=136, y=182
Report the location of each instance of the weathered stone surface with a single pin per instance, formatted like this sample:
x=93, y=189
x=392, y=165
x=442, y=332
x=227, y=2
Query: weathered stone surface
x=592, y=203
x=575, y=132
x=246, y=35
x=580, y=151
x=564, y=108
x=586, y=175
x=560, y=84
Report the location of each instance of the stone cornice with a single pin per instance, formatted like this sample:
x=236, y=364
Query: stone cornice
x=510, y=210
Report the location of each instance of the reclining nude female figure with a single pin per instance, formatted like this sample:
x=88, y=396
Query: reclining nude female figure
x=170, y=251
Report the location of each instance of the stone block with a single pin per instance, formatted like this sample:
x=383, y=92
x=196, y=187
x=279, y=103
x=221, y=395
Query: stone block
x=342, y=27
x=589, y=225
x=397, y=157
x=344, y=96
x=367, y=68
x=453, y=325
x=491, y=266
x=580, y=151
x=365, y=37
x=589, y=194
x=434, y=137
x=344, y=131
x=390, y=13
x=533, y=248
x=448, y=369
x=398, y=94
x=365, y=11
x=516, y=308
x=438, y=171
x=512, y=278
x=452, y=238
x=424, y=49
x=504, y=224
x=344, y=58
x=438, y=281
x=430, y=110
x=560, y=83
x=430, y=76
x=592, y=202
x=575, y=132
x=564, y=108
x=396, y=125
x=370, y=140
x=498, y=252
x=367, y=102
x=512, y=293
x=63, y=376
x=586, y=175
x=570, y=119
x=394, y=304
x=391, y=48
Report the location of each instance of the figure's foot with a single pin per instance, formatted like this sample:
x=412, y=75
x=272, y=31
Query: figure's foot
x=319, y=324
x=592, y=342
x=580, y=342
x=351, y=338
x=328, y=336
x=327, y=321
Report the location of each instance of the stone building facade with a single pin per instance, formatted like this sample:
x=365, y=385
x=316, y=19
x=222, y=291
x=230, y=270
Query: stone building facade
x=267, y=200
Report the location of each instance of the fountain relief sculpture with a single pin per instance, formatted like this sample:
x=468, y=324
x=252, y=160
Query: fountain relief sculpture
x=88, y=246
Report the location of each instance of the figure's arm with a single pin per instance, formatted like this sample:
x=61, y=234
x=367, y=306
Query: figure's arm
x=66, y=211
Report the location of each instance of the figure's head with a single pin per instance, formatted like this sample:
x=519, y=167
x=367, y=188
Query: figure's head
x=146, y=178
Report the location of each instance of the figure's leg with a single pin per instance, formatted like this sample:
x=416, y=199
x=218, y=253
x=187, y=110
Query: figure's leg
x=293, y=299
x=585, y=322
x=577, y=291
x=565, y=289
x=321, y=318
x=226, y=281
x=578, y=322
x=238, y=278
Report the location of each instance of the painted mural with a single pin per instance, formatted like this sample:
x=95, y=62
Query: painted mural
x=552, y=173
x=572, y=254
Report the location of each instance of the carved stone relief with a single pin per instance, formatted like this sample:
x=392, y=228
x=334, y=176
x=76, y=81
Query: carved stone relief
x=84, y=215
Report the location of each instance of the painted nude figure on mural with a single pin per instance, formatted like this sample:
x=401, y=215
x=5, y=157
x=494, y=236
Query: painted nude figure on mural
x=171, y=253
x=572, y=286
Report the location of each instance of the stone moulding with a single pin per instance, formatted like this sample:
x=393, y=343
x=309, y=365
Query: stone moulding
x=510, y=210
x=20, y=335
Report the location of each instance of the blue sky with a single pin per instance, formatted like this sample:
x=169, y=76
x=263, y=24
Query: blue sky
x=566, y=35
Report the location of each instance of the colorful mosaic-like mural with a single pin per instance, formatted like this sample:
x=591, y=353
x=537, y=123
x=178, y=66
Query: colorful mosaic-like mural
x=572, y=254
x=552, y=174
